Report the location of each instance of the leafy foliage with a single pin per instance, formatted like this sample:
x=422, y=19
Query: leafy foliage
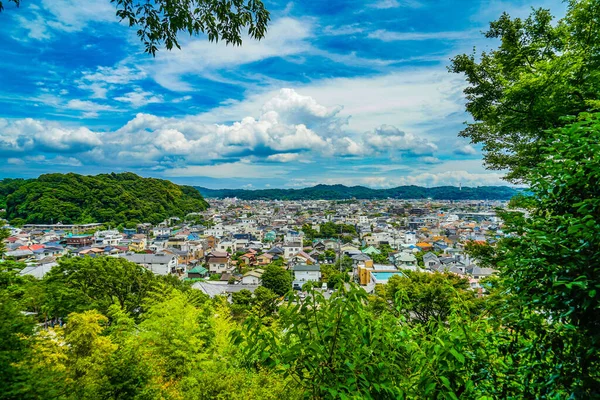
x=548, y=262
x=108, y=198
x=78, y=284
x=277, y=279
x=541, y=72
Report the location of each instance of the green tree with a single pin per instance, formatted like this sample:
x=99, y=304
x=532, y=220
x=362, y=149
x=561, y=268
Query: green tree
x=320, y=346
x=84, y=283
x=542, y=71
x=160, y=22
x=264, y=302
x=4, y=234
x=547, y=265
x=425, y=297
x=277, y=279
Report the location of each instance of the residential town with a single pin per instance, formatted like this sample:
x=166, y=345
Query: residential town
x=226, y=248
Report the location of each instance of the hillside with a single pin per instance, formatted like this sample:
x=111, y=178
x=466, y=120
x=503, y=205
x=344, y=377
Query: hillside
x=341, y=192
x=109, y=198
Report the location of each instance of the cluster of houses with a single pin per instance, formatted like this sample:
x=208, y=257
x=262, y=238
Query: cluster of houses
x=236, y=240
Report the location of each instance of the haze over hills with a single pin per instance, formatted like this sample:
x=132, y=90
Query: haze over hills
x=342, y=192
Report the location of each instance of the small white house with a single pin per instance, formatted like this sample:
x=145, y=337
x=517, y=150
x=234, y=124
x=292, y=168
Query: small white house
x=307, y=273
x=252, y=277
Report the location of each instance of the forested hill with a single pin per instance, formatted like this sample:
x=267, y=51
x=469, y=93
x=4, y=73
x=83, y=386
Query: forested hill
x=123, y=198
x=341, y=192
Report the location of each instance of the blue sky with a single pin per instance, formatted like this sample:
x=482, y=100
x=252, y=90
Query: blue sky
x=352, y=92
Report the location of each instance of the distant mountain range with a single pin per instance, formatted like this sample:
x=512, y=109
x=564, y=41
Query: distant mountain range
x=341, y=192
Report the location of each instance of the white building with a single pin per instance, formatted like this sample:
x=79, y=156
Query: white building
x=252, y=277
x=307, y=273
x=291, y=249
x=160, y=264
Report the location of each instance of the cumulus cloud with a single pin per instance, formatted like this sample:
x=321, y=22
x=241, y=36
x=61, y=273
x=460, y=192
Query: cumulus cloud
x=29, y=135
x=390, y=138
x=288, y=129
x=466, y=150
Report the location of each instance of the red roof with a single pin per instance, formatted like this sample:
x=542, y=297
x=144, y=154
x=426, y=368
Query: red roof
x=32, y=247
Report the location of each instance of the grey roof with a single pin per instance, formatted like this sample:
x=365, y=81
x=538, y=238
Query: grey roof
x=19, y=253
x=37, y=271
x=360, y=257
x=306, y=267
x=149, y=258
x=474, y=270
x=218, y=289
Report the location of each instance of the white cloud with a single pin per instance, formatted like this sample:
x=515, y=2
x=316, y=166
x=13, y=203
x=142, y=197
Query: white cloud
x=343, y=30
x=91, y=108
x=248, y=148
x=64, y=16
x=30, y=135
x=430, y=160
x=385, y=4
x=428, y=179
x=390, y=36
x=286, y=37
x=407, y=98
x=388, y=137
x=466, y=150
x=104, y=79
x=15, y=161
x=228, y=170
x=284, y=157
x=71, y=16
x=35, y=27
x=58, y=160
x=139, y=98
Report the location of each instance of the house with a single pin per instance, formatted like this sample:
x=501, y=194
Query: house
x=248, y=259
x=303, y=258
x=80, y=240
x=160, y=264
x=306, y=273
x=277, y=252
x=161, y=231
x=480, y=272
x=197, y=272
x=423, y=246
x=405, y=260
x=264, y=259
x=371, y=250
x=137, y=244
x=227, y=246
x=291, y=249
x=431, y=261
x=319, y=246
x=218, y=265
x=253, y=277
x=270, y=236
x=19, y=254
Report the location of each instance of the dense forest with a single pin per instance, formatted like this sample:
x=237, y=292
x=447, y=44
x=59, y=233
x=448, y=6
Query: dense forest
x=123, y=198
x=341, y=192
